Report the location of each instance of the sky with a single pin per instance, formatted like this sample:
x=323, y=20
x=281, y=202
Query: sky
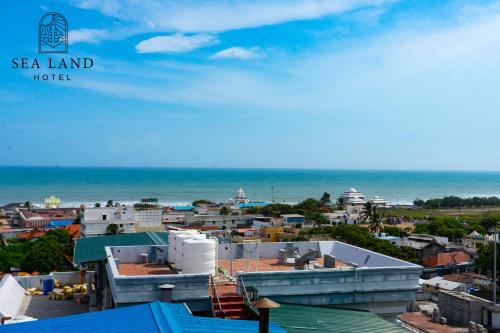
x=330, y=84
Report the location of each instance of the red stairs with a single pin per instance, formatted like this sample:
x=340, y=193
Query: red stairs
x=233, y=306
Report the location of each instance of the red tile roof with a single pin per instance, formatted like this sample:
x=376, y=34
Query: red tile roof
x=73, y=230
x=35, y=233
x=446, y=259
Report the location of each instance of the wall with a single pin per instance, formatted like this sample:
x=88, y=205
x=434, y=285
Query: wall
x=66, y=278
x=131, y=254
x=363, y=288
x=460, y=308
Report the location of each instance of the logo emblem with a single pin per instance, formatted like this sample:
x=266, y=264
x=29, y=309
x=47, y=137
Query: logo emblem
x=53, y=34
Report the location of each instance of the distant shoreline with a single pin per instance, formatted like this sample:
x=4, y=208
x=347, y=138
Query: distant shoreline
x=179, y=186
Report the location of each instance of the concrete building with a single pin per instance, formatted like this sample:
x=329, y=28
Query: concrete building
x=460, y=308
x=326, y=273
x=292, y=219
x=42, y=217
x=240, y=198
x=353, y=201
x=223, y=222
x=96, y=220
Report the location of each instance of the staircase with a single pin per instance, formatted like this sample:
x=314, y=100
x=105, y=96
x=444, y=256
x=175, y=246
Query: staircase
x=228, y=304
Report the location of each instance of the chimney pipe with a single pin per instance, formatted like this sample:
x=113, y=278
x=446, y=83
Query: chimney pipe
x=264, y=305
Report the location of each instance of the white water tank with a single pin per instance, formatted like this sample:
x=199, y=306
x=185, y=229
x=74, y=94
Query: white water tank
x=178, y=246
x=171, y=242
x=199, y=256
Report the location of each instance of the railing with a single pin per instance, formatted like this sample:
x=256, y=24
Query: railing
x=411, y=327
x=216, y=296
x=248, y=298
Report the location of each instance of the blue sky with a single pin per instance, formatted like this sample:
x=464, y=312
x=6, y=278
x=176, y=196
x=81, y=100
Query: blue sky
x=364, y=84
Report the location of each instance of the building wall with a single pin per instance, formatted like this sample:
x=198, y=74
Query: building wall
x=363, y=288
x=459, y=310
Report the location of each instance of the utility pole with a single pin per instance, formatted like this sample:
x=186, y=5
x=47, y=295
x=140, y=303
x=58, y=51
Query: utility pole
x=495, y=239
x=272, y=194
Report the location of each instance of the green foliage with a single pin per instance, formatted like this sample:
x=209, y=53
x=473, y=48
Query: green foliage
x=224, y=211
x=484, y=259
x=325, y=199
x=112, y=229
x=12, y=255
x=202, y=202
x=44, y=256
x=456, y=202
x=451, y=227
x=391, y=231
x=78, y=219
x=97, y=204
x=109, y=203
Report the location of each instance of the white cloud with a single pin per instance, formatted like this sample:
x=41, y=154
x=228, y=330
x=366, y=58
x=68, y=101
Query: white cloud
x=87, y=35
x=237, y=52
x=175, y=43
x=209, y=16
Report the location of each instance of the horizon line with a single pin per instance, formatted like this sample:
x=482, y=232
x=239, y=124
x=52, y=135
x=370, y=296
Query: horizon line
x=242, y=168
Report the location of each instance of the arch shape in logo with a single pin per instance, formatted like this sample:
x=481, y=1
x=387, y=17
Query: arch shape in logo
x=53, y=33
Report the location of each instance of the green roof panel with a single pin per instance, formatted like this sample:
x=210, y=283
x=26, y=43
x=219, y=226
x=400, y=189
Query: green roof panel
x=301, y=318
x=92, y=249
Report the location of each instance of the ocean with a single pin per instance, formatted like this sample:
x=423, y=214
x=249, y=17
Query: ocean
x=177, y=186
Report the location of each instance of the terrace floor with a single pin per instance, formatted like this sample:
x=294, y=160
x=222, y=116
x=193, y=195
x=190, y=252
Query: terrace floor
x=41, y=307
x=264, y=265
x=134, y=269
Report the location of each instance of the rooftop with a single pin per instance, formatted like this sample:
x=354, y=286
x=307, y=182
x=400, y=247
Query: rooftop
x=265, y=265
x=300, y=318
x=92, y=249
x=136, y=269
x=156, y=317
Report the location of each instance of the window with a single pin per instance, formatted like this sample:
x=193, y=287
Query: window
x=104, y=217
x=121, y=225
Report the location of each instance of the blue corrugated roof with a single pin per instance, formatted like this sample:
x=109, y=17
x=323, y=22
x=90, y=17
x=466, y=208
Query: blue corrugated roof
x=156, y=317
x=60, y=223
x=254, y=204
x=188, y=207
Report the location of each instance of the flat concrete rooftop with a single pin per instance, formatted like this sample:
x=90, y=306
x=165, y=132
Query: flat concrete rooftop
x=41, y=307
x=265, y=265
x=138, y=269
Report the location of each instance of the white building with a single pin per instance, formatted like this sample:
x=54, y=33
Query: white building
x=378, y=201
x=353, y=201
x=95, y=221
x=240, y=198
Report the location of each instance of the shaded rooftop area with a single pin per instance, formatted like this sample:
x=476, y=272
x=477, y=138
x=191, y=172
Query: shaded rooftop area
x=42, y=307
x=134, y=269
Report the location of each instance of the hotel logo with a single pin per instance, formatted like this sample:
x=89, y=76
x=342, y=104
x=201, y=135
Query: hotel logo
x=53, y=33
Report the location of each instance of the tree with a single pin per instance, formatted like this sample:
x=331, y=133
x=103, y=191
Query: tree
x=369, y=214
x=202, y=202
x=224, y=211
x=484, y=259
x=78, y=219
x=28, y=205
x=112, y=229
x=45, y=256
x=325, y=199
x=340, y=203
x=109, y=203
x=97, y=204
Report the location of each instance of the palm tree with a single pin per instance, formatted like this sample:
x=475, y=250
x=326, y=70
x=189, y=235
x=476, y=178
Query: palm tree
x=340, y=203
x=370, y=215
x=375, y=222
x=109, y=203
x=367, y=212
x=325, y=200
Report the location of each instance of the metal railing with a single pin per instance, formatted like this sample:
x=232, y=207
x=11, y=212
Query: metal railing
x=216, y=296
x=249, y=295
